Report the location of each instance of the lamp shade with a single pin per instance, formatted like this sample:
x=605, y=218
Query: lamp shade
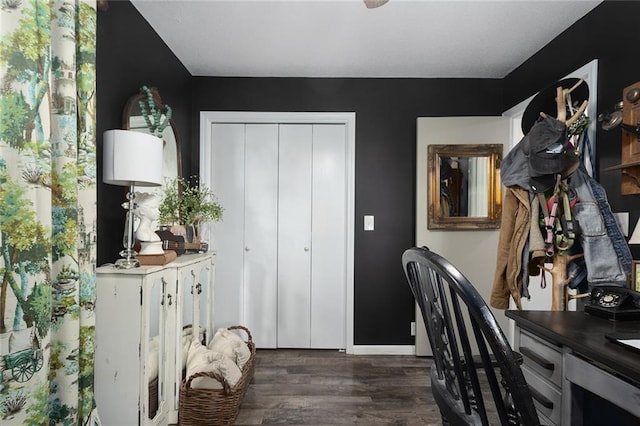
x=131, y=157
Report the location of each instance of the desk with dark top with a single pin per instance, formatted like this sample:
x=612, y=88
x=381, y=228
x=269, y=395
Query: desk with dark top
x=582, y=377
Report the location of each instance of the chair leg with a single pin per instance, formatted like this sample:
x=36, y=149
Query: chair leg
x=445, y=422
x=512, y=413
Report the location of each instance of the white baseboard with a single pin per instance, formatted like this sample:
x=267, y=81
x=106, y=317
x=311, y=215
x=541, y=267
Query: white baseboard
x=384, y=350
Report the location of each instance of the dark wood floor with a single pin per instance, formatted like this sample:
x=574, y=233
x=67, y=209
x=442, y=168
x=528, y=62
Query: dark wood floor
x=316, y=387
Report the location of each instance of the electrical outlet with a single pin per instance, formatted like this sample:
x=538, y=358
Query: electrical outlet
x=413, y=328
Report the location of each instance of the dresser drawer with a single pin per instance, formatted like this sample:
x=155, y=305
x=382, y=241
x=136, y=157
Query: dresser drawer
x=545, y=421
x=546, y=398
x=541, y=357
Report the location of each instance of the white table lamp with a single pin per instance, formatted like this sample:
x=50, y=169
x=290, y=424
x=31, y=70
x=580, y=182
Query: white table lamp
x=131, y=159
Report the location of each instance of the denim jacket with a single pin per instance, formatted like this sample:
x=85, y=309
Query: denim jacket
x=607, y=256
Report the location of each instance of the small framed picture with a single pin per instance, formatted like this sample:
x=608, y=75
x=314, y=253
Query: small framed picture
x=635, y=275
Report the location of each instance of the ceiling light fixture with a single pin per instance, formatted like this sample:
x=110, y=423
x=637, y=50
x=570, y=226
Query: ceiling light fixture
x=372, y=4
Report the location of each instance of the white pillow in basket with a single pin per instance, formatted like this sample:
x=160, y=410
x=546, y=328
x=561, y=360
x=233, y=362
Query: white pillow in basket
x=187, y=337
x=152, y=358
x=232, y=345
x=201, y=359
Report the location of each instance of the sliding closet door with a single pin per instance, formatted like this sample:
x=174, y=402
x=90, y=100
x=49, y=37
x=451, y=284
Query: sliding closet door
x=281, y=265
x=261, y=233
x=311, y=236
x=227, y=181
x=329, y=231
x=294, y=236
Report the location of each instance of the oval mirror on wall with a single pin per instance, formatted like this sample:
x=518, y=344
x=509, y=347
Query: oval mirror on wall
x=133, y=119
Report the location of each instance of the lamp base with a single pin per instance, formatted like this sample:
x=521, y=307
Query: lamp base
x=128, y=260
x=127, y=263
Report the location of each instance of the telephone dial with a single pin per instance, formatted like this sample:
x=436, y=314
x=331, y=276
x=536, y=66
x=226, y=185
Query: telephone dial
x=616, y=303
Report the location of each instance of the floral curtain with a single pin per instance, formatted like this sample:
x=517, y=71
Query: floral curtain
x=47, y=211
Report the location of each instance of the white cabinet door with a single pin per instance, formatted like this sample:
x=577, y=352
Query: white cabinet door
x=294, y=236
x=203, y=297
x=135, y=311
x=196, y=290
x=159, y=297
x=260, y=233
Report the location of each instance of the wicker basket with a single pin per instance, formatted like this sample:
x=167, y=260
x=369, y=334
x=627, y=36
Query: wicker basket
x=153, y=397
x=215, y=407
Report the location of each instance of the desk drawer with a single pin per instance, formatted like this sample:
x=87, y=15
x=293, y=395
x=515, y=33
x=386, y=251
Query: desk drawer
x=541, y=357
x=546, y=398
x=603, y=384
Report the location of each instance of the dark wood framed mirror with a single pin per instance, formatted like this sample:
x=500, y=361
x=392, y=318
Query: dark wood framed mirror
x=132, y=119
x=464, y=188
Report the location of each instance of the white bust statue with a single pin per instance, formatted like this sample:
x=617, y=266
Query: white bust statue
x=147, y=211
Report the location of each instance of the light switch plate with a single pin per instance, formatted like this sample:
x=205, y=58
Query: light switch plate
x=368, y=223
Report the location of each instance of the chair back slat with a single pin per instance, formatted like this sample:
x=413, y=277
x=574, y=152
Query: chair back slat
x=472, y=395
x=490, y=373
x=459, y=325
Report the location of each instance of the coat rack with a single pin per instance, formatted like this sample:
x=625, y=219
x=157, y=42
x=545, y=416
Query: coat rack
x=560, y=281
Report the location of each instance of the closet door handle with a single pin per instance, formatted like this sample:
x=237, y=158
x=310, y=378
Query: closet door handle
x=246, y=249
x=306, y=249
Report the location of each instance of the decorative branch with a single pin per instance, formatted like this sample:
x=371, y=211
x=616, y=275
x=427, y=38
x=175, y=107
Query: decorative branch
x=157, y=117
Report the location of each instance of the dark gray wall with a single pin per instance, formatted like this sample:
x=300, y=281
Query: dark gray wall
x=602, y=35
x=386, y=112
x=130, y=54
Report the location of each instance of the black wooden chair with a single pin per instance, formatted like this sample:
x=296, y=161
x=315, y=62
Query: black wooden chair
x=443, y=293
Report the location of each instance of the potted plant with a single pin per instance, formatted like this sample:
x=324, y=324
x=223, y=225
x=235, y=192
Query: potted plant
x=188, y=205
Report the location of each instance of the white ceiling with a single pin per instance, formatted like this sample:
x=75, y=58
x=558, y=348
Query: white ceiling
x=343, y=38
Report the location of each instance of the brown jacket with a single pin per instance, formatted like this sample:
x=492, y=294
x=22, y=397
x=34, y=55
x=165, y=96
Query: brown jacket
x=514, y=233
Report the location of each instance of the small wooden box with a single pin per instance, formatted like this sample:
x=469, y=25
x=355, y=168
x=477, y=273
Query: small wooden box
x=157, y=259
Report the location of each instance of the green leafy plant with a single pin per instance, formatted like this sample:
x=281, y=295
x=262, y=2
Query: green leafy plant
x=156, y=117
x=186, y=204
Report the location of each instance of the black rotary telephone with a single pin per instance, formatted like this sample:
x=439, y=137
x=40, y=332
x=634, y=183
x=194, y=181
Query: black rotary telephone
x=612, y=302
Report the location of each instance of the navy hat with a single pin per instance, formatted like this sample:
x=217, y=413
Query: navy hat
x=550, y=153
x=545, y=101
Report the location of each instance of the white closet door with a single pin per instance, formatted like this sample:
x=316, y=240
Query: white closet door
x=294, y=236
x=282, y=245
x=227, y=181
x=329, y=227
x=261, y=233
